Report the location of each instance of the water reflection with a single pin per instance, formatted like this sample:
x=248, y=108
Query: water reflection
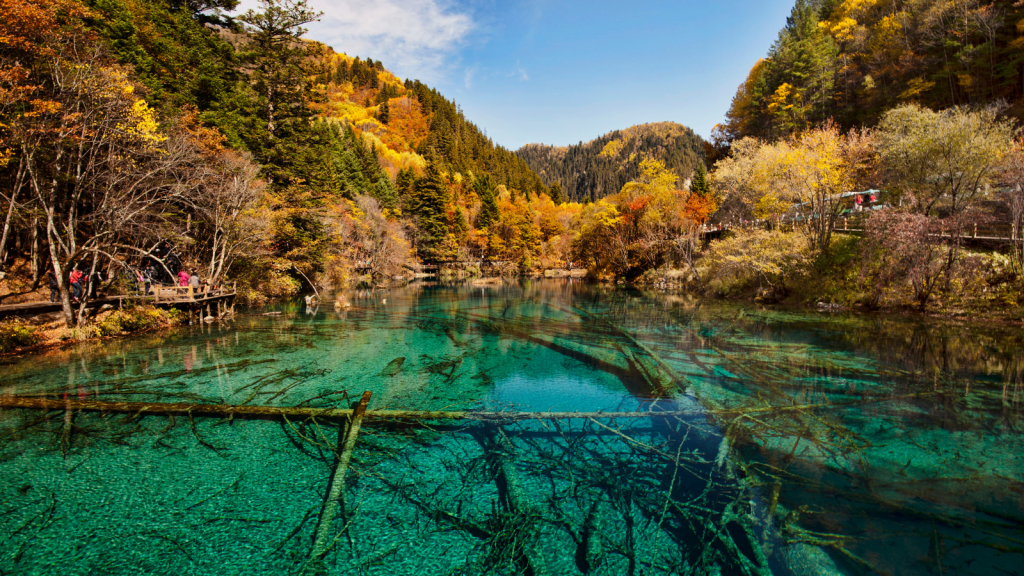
x=802, y=443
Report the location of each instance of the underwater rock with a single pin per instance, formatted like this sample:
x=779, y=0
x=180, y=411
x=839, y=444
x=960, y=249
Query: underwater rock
x=807, y=560
x=393, y=367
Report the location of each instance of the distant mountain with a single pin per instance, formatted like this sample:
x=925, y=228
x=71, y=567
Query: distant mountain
x=595, y=169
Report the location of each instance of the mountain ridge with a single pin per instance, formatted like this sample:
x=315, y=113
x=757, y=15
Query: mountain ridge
x=600, y=167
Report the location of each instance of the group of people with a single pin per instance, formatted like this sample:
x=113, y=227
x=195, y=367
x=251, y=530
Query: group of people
x=146, y=275
x=185, y=278
x=78, y=281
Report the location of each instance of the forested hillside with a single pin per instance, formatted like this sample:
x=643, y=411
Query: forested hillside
x=187, y=55
x=252, y=151
x=851, y=60
x=601, y=167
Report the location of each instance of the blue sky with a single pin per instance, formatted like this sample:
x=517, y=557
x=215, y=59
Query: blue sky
x=563, y=72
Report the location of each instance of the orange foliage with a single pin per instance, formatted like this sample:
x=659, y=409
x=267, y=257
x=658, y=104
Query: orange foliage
x=408, y=125
x=700, y=207
x=209, y=141
x=32, y=30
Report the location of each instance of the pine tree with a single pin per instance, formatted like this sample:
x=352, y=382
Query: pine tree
x=700, y=185
x=405, y=181
x=278, y=60
x=556, y=193
x=429, y=204
x=384, y=113
x=801, y=71
x=485, y=189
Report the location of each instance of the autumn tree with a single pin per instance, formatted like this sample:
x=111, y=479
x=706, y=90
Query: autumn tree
x=105, y=179
x=635, y=230
x=807, y=173
x=228, y=225
x=1011, y=175
x=941, y=157
x=766, y=257
x=516, y=235
x=904, y=253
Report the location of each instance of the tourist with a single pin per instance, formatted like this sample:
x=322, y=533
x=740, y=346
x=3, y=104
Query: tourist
x=76, y=284
x=93, y=282
x=193, y=281
x=147, y=279
x=183, y=279
x=51, y=279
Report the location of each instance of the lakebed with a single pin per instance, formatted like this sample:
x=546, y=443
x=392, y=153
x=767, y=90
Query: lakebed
x=772, y=441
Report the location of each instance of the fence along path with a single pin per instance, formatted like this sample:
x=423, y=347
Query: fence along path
x=184, y=297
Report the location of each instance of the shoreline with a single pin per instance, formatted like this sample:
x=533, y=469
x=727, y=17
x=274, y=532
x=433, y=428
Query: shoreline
x=60, y=336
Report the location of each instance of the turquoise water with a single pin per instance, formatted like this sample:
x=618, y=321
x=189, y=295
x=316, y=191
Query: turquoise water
x=800, y=442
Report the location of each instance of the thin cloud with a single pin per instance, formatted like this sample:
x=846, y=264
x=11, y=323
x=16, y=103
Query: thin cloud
x=520, y=72
x=468, y=79
x=414, y=38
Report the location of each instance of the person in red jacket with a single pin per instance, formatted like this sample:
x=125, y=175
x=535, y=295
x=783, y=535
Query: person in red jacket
x=76, y=284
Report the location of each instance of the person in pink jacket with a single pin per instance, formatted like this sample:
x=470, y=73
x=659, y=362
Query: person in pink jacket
x=183, y=279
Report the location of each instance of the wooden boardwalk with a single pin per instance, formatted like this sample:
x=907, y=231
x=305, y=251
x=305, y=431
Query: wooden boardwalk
x=182, y=298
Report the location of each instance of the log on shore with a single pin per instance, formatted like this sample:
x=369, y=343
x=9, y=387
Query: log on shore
x=139, y=408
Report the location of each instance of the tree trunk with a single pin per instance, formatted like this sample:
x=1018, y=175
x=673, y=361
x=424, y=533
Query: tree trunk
x=35, y=250
x=10, y=212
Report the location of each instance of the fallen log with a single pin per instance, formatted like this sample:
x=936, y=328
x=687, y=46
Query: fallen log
x=501, y=454
x=322, y=541
x=139, y=408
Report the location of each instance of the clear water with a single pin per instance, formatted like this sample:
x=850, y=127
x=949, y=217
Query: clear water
x=809, y=443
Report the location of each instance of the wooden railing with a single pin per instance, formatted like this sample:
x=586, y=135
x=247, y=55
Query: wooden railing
x=166, y=294
x=1001, y=232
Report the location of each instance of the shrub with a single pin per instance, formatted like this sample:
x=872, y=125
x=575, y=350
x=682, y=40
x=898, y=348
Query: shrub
x=746, y=257
x=904, y=257
x=16, y=334
x=137, y=319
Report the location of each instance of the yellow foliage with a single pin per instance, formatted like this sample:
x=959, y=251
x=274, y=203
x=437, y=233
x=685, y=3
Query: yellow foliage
x=915, y=88
x=144, y=124
x=654, y=179
x=843, y=29
x=391, y=160
x=780, y=98
x=770, y=206
x=853, y=9
x=766, y=256
x=611, y=149
x=607, y=214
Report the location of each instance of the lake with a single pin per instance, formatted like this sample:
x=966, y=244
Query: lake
x=769, y=441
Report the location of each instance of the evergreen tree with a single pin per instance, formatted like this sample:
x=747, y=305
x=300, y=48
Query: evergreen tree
x=384, y=113
x=278, y=60
x=485, y=189
x=405, y=181
x=429, y=204
x=801, y=73
x=700, y=186
x=556, y=193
